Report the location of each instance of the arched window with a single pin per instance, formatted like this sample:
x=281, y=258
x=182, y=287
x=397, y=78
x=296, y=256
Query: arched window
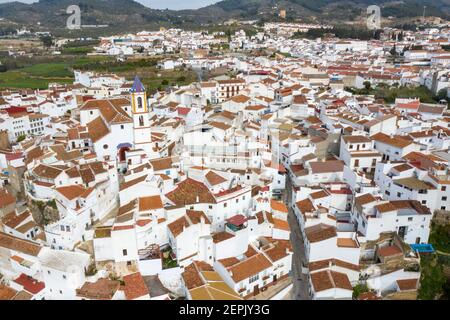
x=141, y=121
x=139, y=102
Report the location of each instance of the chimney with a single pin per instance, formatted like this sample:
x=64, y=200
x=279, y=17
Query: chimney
x=202, y=219
x=197, y=199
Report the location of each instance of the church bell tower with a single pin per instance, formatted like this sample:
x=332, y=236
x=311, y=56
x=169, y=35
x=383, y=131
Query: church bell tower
x=141, y=117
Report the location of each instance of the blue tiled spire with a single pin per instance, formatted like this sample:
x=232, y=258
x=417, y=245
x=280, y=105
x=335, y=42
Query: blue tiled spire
x=137, y=85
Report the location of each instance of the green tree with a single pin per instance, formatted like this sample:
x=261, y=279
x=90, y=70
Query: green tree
x=432, y=280
x=358, y=289
x=442, y=94
x=47, y=41
x=21, y=138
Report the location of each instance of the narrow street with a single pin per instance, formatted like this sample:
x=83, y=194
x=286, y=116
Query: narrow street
x=300, y=289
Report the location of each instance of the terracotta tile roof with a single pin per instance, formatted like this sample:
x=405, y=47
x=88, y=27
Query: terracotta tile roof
x=229, y=261
x=30, y=284
x=264, y=216
x=277, y=249
x=191, y=274
x=240, y=98
x=319, y=194
x=12, y=219
x=220, y=125
x=74, y=191
x=214, y=179
x=102, y=289
x=150, y=203
x=385, y=207
x=389, y=251
x=327, y=166
x=324, y=264
x=368, y=296
x=300, y=99
x=97, y=129
x=356, y=139
x=135, y=286
x=221, y=236
x=281, y=224
x=250, y=252
x=324, y=280
x=249, y=267
x=402, y=167
x=320, y=232
x=7, y=293
x=278, y=206
x=237, y=220
x=34, y=154
x=24, y=246
x=347, y=243
x=190, y=218
x=305, y=206
x=396, y=141
x=6, y=198
x=411, y=204
x=133, y=182
x=162, y=164
x=48, y=172
x=187, y=192
x=407, y=284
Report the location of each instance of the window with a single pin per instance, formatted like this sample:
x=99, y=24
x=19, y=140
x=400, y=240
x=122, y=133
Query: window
x=410, y=219
x=444, y=198
x=122, y=126
x=141, y=121
x=443, y=208
x=68, y=228
x=62, y=228
x=443, y=188
x=424, y=201
x=210, y=207
x=64, y=276
x=253, y=279
x=139, y=102
x=225, y=205
x=105, y=146
x=124, y=252
x=48, y=271
x=399, y=194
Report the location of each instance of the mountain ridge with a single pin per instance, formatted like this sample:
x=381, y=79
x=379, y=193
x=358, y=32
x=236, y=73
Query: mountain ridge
x=132, y=15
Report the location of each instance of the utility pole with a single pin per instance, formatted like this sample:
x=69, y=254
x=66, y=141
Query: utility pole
x=423, y=17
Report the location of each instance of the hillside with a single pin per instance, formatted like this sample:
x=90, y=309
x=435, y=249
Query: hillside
x=325, y=10
x=130, y=16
